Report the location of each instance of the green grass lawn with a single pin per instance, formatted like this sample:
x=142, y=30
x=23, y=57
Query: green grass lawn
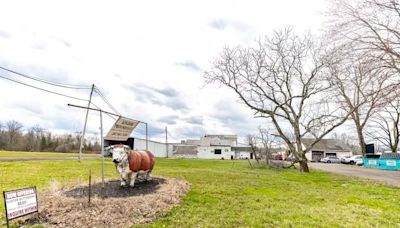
x=38, y=154
x=226, y=194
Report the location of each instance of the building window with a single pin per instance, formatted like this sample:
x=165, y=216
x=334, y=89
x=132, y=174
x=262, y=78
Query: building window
x=226, y=150
x=217, y=151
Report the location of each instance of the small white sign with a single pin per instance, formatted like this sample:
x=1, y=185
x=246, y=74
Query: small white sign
x=20, y=202
x=372, y=162
x=122, y=129
x=391, y=163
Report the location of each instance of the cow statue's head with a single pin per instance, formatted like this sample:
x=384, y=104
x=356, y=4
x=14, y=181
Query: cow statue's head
x=118, y=152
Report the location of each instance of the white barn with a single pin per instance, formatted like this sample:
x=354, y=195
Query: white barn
x=158, y=148
x=215, y=152
x=209, y=147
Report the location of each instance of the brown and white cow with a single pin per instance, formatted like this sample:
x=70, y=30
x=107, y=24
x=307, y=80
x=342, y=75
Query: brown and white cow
x=130, y=163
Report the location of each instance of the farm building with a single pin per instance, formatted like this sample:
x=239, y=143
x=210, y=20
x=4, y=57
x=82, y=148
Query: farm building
x=185, y=151
x=326, y=147
x=243, y=151
x=210, y=147
x=158, y=148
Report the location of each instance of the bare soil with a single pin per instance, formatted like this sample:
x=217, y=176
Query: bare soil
x=113, y=206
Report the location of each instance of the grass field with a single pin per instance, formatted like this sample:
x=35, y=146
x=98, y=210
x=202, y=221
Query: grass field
x=38, y=154
x=226, y=194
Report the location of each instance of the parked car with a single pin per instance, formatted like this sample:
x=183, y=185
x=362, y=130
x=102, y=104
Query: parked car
x=343, y=159
x=360, y=162
x=244, y=156
x=351, y=160
x=330, y=159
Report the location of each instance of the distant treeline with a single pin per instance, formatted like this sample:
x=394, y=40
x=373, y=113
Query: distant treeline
x=13, y=136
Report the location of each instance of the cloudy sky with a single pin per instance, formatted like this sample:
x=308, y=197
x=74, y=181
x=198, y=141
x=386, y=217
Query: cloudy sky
x=147, y=57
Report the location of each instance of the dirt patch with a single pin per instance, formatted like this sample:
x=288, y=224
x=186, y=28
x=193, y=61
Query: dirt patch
x=112, y=206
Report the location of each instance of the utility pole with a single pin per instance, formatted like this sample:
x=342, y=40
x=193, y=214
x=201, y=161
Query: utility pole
x=84, y=126
x=166, y=140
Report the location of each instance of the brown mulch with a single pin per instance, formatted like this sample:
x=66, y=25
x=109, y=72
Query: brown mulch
x=112, y=206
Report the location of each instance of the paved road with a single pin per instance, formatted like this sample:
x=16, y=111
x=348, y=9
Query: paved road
x=389, y=177
x=8, y=159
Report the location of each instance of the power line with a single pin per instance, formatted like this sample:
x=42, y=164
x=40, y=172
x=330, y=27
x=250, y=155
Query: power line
x=45, y=81
x=106, y=101
x=113, y=117
x=49, y=91
x=59, y=85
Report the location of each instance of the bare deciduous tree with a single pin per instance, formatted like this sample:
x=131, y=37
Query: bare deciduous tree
x=252, y=140
x=14, y=129
x=384, y=126
x=361, y=86
x=349, y=140
x=373, y=26
x=267, y=140
x=3, y=139
x=283, y=79
x=38, y=139
x=33, y=136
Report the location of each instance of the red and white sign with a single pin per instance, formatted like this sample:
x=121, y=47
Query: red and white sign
x=20, y=202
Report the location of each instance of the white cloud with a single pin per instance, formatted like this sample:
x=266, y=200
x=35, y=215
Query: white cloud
x=147, y=57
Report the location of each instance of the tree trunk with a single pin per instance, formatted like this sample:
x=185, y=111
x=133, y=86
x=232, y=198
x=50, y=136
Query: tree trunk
x=395, y=135
x=361, y=140
x=362, y=144
x=304, y=166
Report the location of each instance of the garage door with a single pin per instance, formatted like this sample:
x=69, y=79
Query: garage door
x=317, y=156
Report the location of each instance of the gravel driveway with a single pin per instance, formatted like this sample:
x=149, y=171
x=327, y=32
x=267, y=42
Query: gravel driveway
x=389, y=177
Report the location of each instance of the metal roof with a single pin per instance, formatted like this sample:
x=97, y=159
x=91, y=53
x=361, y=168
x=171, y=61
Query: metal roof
x=326, y=144
x=185, y=149
x=390, y=156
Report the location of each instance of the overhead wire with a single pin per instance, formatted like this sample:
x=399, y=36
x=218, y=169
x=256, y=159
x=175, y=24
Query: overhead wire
x=59, y=85
x=46, y=81
x=49, y=91
x=97, y=90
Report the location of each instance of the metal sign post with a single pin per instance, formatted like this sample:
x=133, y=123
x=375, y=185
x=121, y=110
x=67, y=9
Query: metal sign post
x=147, y=138
x=102, y=148
x=84, y=126
x=5, y=206
x=166, y=140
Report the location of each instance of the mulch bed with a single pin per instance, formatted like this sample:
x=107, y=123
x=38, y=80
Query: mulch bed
x=112, y=206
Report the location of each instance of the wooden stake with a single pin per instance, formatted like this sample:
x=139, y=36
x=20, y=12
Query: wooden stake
x=250, y=163
x=90, y=184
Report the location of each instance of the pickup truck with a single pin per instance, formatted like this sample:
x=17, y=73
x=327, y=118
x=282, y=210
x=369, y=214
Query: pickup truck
x=351, y=160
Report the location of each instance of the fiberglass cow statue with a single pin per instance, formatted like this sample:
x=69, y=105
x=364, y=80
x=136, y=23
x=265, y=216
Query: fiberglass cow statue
x=130, y=163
